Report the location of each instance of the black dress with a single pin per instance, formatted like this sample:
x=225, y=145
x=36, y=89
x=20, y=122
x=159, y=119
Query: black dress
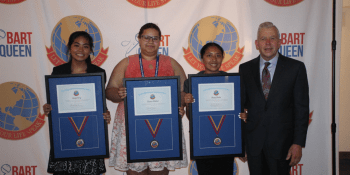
x=82, y=166
x=222, y=166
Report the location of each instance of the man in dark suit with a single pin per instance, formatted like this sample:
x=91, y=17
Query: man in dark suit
x=276, y=94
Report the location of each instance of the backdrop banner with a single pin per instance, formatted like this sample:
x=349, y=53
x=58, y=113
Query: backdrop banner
x=34, y=35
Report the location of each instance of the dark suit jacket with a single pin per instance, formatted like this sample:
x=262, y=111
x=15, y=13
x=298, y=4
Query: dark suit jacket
x=66, y=69
x=282, y=119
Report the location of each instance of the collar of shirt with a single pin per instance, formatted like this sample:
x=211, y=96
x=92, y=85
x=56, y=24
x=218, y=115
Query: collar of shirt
x=271, y=67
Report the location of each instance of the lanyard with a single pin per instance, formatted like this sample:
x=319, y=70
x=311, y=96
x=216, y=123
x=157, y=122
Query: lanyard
x=141, y=66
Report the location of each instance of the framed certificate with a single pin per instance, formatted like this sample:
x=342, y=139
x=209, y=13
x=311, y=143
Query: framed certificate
x=152, y=121
x=76, y=124
x=216, y=129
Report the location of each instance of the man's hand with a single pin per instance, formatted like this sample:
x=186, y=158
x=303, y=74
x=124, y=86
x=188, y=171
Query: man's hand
x=244, y=115
x=295, y=153
x=243, y=159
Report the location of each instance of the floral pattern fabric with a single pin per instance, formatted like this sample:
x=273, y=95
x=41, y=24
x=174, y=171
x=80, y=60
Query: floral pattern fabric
x=118, y=158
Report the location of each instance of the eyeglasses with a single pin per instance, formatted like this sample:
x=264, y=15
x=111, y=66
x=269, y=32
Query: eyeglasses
x=148, y=38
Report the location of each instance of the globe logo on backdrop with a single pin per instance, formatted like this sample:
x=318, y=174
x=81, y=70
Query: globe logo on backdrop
x=192, y=169
x=148, y=3
x=6, y=168
x=214, y=29
x=19, y=111
x=57, y=53
x=2, y=34
x=11, y=1
x=284, y=3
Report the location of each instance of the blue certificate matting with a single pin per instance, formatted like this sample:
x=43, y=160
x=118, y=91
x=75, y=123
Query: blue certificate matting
x=89, y=132
x=207, y=132
x=144, y=138
x=77, y=127
x=216, y=129
x=153, y=124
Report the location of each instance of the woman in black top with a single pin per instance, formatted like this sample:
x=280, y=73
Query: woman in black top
x=80, y=46
x=212, y=56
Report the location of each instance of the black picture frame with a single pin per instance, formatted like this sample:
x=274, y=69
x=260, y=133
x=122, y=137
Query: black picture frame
x=69, y=94
x=215, y=119
x=142, y=118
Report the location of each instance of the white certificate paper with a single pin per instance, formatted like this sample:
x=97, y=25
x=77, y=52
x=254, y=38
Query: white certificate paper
x=216, y=97
x=152, y=101
x=76, y=98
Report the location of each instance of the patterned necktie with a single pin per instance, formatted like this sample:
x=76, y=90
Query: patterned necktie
x=266, y=80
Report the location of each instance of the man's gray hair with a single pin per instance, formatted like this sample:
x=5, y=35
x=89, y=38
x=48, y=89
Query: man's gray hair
x=267, y=25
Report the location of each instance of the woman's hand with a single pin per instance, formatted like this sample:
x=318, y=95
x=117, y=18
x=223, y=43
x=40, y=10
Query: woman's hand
x=181, y=111
x=107, y=116
x=47, y=109
x=189, y=98
x=122, y=92
x=244, y=115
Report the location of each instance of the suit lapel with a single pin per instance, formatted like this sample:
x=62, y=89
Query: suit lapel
x=256, y=74
x=277, y=76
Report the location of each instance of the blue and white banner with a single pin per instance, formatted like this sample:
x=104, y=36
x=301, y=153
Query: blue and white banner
x=34, y=35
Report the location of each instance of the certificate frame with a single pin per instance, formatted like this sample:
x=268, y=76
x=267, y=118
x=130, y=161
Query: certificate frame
x=76, y=124
x=152, y=121
x=215, y=128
